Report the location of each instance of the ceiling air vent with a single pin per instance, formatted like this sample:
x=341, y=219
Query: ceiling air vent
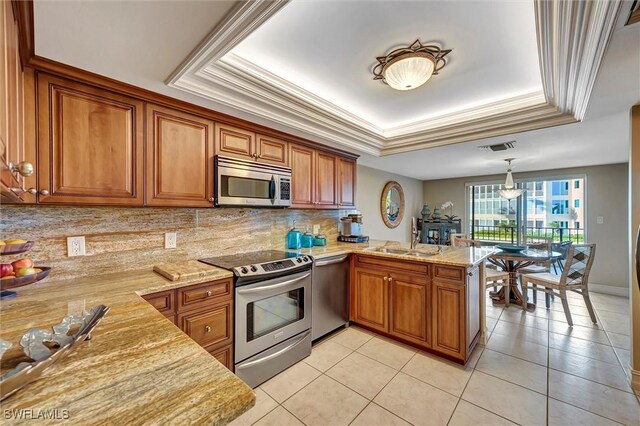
x=499, y=147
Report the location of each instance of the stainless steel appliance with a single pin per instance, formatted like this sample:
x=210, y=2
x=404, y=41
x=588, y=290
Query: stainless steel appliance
x=247, y=183
x=273, y=303
x=330, y=299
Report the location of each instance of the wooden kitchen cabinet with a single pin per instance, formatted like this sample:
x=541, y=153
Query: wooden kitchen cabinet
x=235, y=142
x=179, y=158
x=271, y=150
x=204, y=312
x=346, y=182
x=431, y=306
x=313, y=178
x=303, y=172
x=90, y=144
x=409, y=308
x=11, y=107
x=370, y=299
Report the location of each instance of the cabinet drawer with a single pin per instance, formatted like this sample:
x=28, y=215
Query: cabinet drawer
x=208, y=327
x=223, y=355
x=449, y=273
x=385, y=263
x=204, y=294
x=162, y=301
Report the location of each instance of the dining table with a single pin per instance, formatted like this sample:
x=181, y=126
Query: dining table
x=513, y=261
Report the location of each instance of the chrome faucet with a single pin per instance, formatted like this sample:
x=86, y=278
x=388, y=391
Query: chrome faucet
x=415, y=233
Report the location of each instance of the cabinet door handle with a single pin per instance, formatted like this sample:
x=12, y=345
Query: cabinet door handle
x=207, y=328
x=44, y=192
x=386, y=278
x=208, y=293
x=390, y=279
x=211, y=199
x=23, y=168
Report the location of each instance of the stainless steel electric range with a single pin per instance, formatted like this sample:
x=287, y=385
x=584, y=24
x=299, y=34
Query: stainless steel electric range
x=272, y=311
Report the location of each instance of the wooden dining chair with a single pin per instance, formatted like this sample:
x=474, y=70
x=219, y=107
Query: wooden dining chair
x=497, y=278
x=541, y=267
x=575, y=277
x=463, y=240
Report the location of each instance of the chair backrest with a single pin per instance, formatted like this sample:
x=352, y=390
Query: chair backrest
x=578, y=265
x=540, y=243
x=464, y=242
x=562, y=247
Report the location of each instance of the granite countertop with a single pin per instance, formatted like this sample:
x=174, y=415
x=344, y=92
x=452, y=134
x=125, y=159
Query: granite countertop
x=138, y=367
x=455, y=256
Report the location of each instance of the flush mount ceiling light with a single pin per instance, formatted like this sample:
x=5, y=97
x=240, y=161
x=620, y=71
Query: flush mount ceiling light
x=510, y=191
x=408, y=68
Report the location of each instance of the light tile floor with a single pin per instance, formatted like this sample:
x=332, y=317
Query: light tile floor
x=534, y=370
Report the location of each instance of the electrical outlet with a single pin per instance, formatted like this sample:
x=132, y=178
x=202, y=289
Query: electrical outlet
x=170, y=240
x=316, y=229
x=599, y=220
x=76, y=246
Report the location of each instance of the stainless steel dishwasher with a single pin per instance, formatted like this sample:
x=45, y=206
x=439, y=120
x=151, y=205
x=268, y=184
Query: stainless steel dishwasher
x=330, y=295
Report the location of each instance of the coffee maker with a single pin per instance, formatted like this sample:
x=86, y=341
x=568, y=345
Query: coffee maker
x=351, y=229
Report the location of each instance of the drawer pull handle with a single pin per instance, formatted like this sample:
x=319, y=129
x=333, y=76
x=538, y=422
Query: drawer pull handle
x=207, y=329
x=208, y=293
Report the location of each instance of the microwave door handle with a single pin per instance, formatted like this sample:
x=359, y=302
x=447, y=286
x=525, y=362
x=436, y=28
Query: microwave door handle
x=272, y=189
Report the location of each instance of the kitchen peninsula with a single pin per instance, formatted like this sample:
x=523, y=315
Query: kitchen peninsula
x=143, y=362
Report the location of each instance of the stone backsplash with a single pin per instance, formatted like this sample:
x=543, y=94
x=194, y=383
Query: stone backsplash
x=121, y=239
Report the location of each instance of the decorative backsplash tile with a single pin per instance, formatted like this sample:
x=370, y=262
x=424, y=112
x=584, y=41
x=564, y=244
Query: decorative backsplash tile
x=120, y=239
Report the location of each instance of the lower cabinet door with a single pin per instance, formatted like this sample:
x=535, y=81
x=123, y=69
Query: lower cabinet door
x=370, y=305
x=448, y=310
x=212, y=326
x=224, y=355
x=409, y=308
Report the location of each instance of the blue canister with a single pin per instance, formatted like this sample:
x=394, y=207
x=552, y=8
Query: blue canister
x=307, y=239
x=320, y=240
x=294, y=238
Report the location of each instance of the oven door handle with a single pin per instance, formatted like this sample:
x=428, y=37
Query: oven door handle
x=273, y=355
x=269, y=287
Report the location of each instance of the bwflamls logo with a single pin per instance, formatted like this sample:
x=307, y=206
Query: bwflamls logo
x=31, y=414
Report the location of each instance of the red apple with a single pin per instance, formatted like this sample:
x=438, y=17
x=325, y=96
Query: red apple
x=25, y=271
x=22, y=263
x=5, y=269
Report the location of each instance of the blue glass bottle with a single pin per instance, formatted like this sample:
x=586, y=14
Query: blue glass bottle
x=294, y=238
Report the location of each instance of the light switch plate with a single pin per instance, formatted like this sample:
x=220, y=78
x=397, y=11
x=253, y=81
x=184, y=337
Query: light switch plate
x=600, y=220
x=76, y=246
x=170, y=240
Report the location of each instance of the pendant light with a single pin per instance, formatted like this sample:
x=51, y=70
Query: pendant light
x=510, y=191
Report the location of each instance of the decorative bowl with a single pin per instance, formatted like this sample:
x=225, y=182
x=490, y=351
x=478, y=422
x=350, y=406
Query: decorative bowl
x=8, y=283
x=16, y=248
x=511, y=249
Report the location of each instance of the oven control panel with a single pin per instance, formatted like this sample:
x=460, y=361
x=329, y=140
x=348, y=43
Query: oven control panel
x=268, y=268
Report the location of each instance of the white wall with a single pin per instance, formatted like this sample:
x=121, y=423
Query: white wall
x=606, y=196
x=370, y=185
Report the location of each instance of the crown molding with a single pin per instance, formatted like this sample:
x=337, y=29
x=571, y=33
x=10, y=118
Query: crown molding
x=572, y=39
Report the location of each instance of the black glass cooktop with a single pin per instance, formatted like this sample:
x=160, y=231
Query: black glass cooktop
x=250, y=258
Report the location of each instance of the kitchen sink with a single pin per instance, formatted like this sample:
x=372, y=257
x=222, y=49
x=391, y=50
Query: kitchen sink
x=404, y=252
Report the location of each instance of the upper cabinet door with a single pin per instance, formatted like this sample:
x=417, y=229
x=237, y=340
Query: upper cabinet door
x=235, y=142
x=272, y=150
x=179, y=158
x=90, y=144
x=325, y=180
x=302, y=176
x=346, y=182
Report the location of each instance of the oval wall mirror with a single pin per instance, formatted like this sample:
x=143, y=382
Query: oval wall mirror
x=392, y=204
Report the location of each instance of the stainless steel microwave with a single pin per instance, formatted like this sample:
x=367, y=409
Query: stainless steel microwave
x=247, y=183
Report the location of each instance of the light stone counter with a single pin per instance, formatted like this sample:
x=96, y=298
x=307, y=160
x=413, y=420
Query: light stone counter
x=138, y=368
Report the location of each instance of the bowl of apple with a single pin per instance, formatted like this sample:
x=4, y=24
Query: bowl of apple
x=21, y=272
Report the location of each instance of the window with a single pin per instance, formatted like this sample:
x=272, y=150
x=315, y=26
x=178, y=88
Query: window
x=576, y=184
x=563, y=224
x=539, y=224
x=538, y=186
x=560, y=187
x=560, y=207
x=576, y=203
x=577, y=225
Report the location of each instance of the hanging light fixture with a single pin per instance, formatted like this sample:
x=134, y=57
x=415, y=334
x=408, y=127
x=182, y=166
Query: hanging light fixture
x=410, y=67
x=510, y=191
